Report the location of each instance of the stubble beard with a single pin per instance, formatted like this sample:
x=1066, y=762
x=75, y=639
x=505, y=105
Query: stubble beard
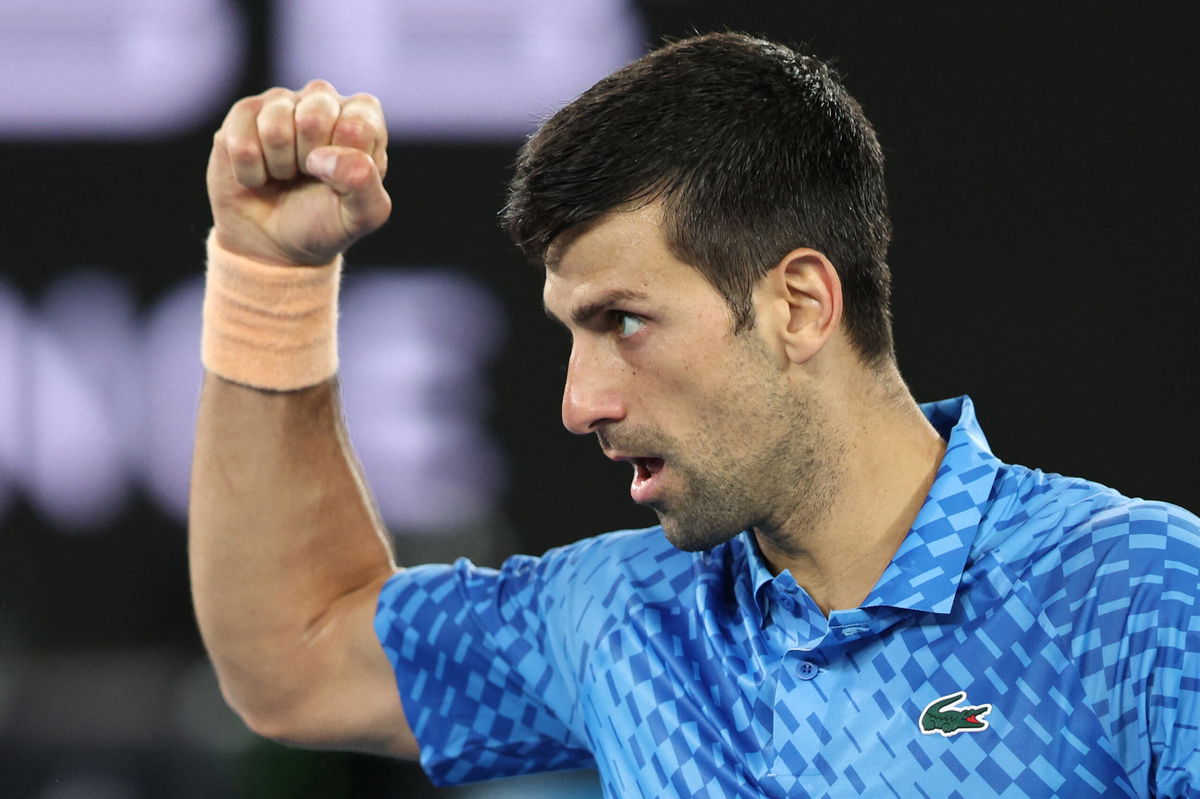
x=699, y=506
x=761, y=459
x=707, y=514
x=774, y=488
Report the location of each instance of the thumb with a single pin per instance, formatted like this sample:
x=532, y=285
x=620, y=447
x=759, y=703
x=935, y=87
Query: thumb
x=354, y=176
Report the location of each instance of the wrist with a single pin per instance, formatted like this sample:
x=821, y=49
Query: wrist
x=269, y=326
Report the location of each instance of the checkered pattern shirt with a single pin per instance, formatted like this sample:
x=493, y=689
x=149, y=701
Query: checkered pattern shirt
x=1034, y=636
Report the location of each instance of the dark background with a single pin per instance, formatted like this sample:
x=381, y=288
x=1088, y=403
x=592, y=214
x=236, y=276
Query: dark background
x=1042, y=173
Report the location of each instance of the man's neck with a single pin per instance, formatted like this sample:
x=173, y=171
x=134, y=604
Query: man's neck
x=890, y=456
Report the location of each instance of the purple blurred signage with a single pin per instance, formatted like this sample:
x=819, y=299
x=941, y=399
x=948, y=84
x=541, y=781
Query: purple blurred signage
x=95, y=401
x=458, y=68
x=443, y=68
x=131, y=68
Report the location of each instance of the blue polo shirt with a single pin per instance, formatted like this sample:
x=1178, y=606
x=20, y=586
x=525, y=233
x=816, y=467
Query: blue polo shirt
x=1034, y=636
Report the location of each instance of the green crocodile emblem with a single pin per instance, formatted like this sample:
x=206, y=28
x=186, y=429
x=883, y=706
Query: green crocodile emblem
x=940, y=718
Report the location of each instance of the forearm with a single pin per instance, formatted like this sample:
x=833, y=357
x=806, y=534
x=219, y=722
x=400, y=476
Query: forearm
x=287, y=553
x=284, y=539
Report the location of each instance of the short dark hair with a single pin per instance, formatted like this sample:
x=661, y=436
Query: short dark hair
x=753, y=150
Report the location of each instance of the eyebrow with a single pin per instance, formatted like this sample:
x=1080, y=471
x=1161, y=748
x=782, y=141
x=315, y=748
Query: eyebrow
x=587, y=311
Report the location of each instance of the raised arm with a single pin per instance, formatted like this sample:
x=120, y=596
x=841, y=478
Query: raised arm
x=287, y=552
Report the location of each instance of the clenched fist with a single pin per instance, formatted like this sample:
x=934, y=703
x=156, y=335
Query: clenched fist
x=297, y=177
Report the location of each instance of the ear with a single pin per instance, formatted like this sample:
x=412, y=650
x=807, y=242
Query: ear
x=801, y=299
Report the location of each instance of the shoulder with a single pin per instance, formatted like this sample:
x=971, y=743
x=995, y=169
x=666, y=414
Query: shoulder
x=1115, y=582
x=642, y=559
x=1034, y=515
x=1075, y=541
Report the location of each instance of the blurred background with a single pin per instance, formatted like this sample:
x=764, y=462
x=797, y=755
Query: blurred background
x=1042, y=169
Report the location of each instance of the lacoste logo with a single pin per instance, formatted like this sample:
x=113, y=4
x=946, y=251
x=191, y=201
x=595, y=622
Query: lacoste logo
x=939, y=718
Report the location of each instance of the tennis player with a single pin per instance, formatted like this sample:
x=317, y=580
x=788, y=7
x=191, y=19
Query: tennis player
x=848, y=594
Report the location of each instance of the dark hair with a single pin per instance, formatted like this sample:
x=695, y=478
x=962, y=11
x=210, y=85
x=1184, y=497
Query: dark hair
x=753, y=150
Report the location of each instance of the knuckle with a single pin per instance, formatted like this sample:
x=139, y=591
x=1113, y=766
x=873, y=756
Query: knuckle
x=311, y=122
x=314, y=118
x=354, y=132
x=364, y=98
x=275, y=135
x=247, y=103
x=368, y=107
x=319, y=85
x=244, y=155
x=277, y=93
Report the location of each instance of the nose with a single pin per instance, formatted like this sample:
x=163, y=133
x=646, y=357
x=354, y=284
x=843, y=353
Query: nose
x=591, y=397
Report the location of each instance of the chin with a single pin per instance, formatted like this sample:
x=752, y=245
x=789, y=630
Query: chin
x=695, y=538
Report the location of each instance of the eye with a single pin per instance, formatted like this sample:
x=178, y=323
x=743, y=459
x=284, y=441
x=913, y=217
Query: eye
x=627, y=324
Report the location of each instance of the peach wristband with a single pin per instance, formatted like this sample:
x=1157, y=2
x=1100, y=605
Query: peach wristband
x=267, y=325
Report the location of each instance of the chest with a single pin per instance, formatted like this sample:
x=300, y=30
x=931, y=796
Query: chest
x=978, y=703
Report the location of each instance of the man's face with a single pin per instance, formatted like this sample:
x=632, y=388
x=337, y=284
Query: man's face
x=718, y=438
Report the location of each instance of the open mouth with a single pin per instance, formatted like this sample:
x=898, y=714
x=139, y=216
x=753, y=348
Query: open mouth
x=645, y=468
x=646, y=473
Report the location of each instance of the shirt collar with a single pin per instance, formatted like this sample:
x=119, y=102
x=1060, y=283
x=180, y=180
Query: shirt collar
x=926, y=570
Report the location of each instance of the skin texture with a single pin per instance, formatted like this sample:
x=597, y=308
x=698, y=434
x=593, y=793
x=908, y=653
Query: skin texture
x=740, y=449
x=287, y=554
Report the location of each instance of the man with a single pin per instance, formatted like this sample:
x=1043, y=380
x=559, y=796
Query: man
x=848, y=595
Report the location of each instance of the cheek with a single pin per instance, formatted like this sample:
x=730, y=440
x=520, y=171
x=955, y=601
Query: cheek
x=688, y=380
x=689, y=368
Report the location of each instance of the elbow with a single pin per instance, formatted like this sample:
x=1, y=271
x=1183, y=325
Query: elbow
x=307, y=718
x=267, y=710
x=305, y=732
x=272, y=728
x=269, y=725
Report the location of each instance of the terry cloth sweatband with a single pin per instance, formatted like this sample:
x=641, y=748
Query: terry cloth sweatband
x=267, y=325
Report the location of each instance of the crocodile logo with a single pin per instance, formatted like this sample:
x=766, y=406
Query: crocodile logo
x=940, y=717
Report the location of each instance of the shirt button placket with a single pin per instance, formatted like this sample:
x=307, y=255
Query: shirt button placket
x=807, y=670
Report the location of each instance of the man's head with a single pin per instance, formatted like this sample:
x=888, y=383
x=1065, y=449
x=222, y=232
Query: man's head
x=713, y=223
x=724, y=431
x=751, y=150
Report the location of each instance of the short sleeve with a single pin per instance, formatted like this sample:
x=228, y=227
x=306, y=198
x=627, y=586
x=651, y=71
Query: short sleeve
x=478, y=657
